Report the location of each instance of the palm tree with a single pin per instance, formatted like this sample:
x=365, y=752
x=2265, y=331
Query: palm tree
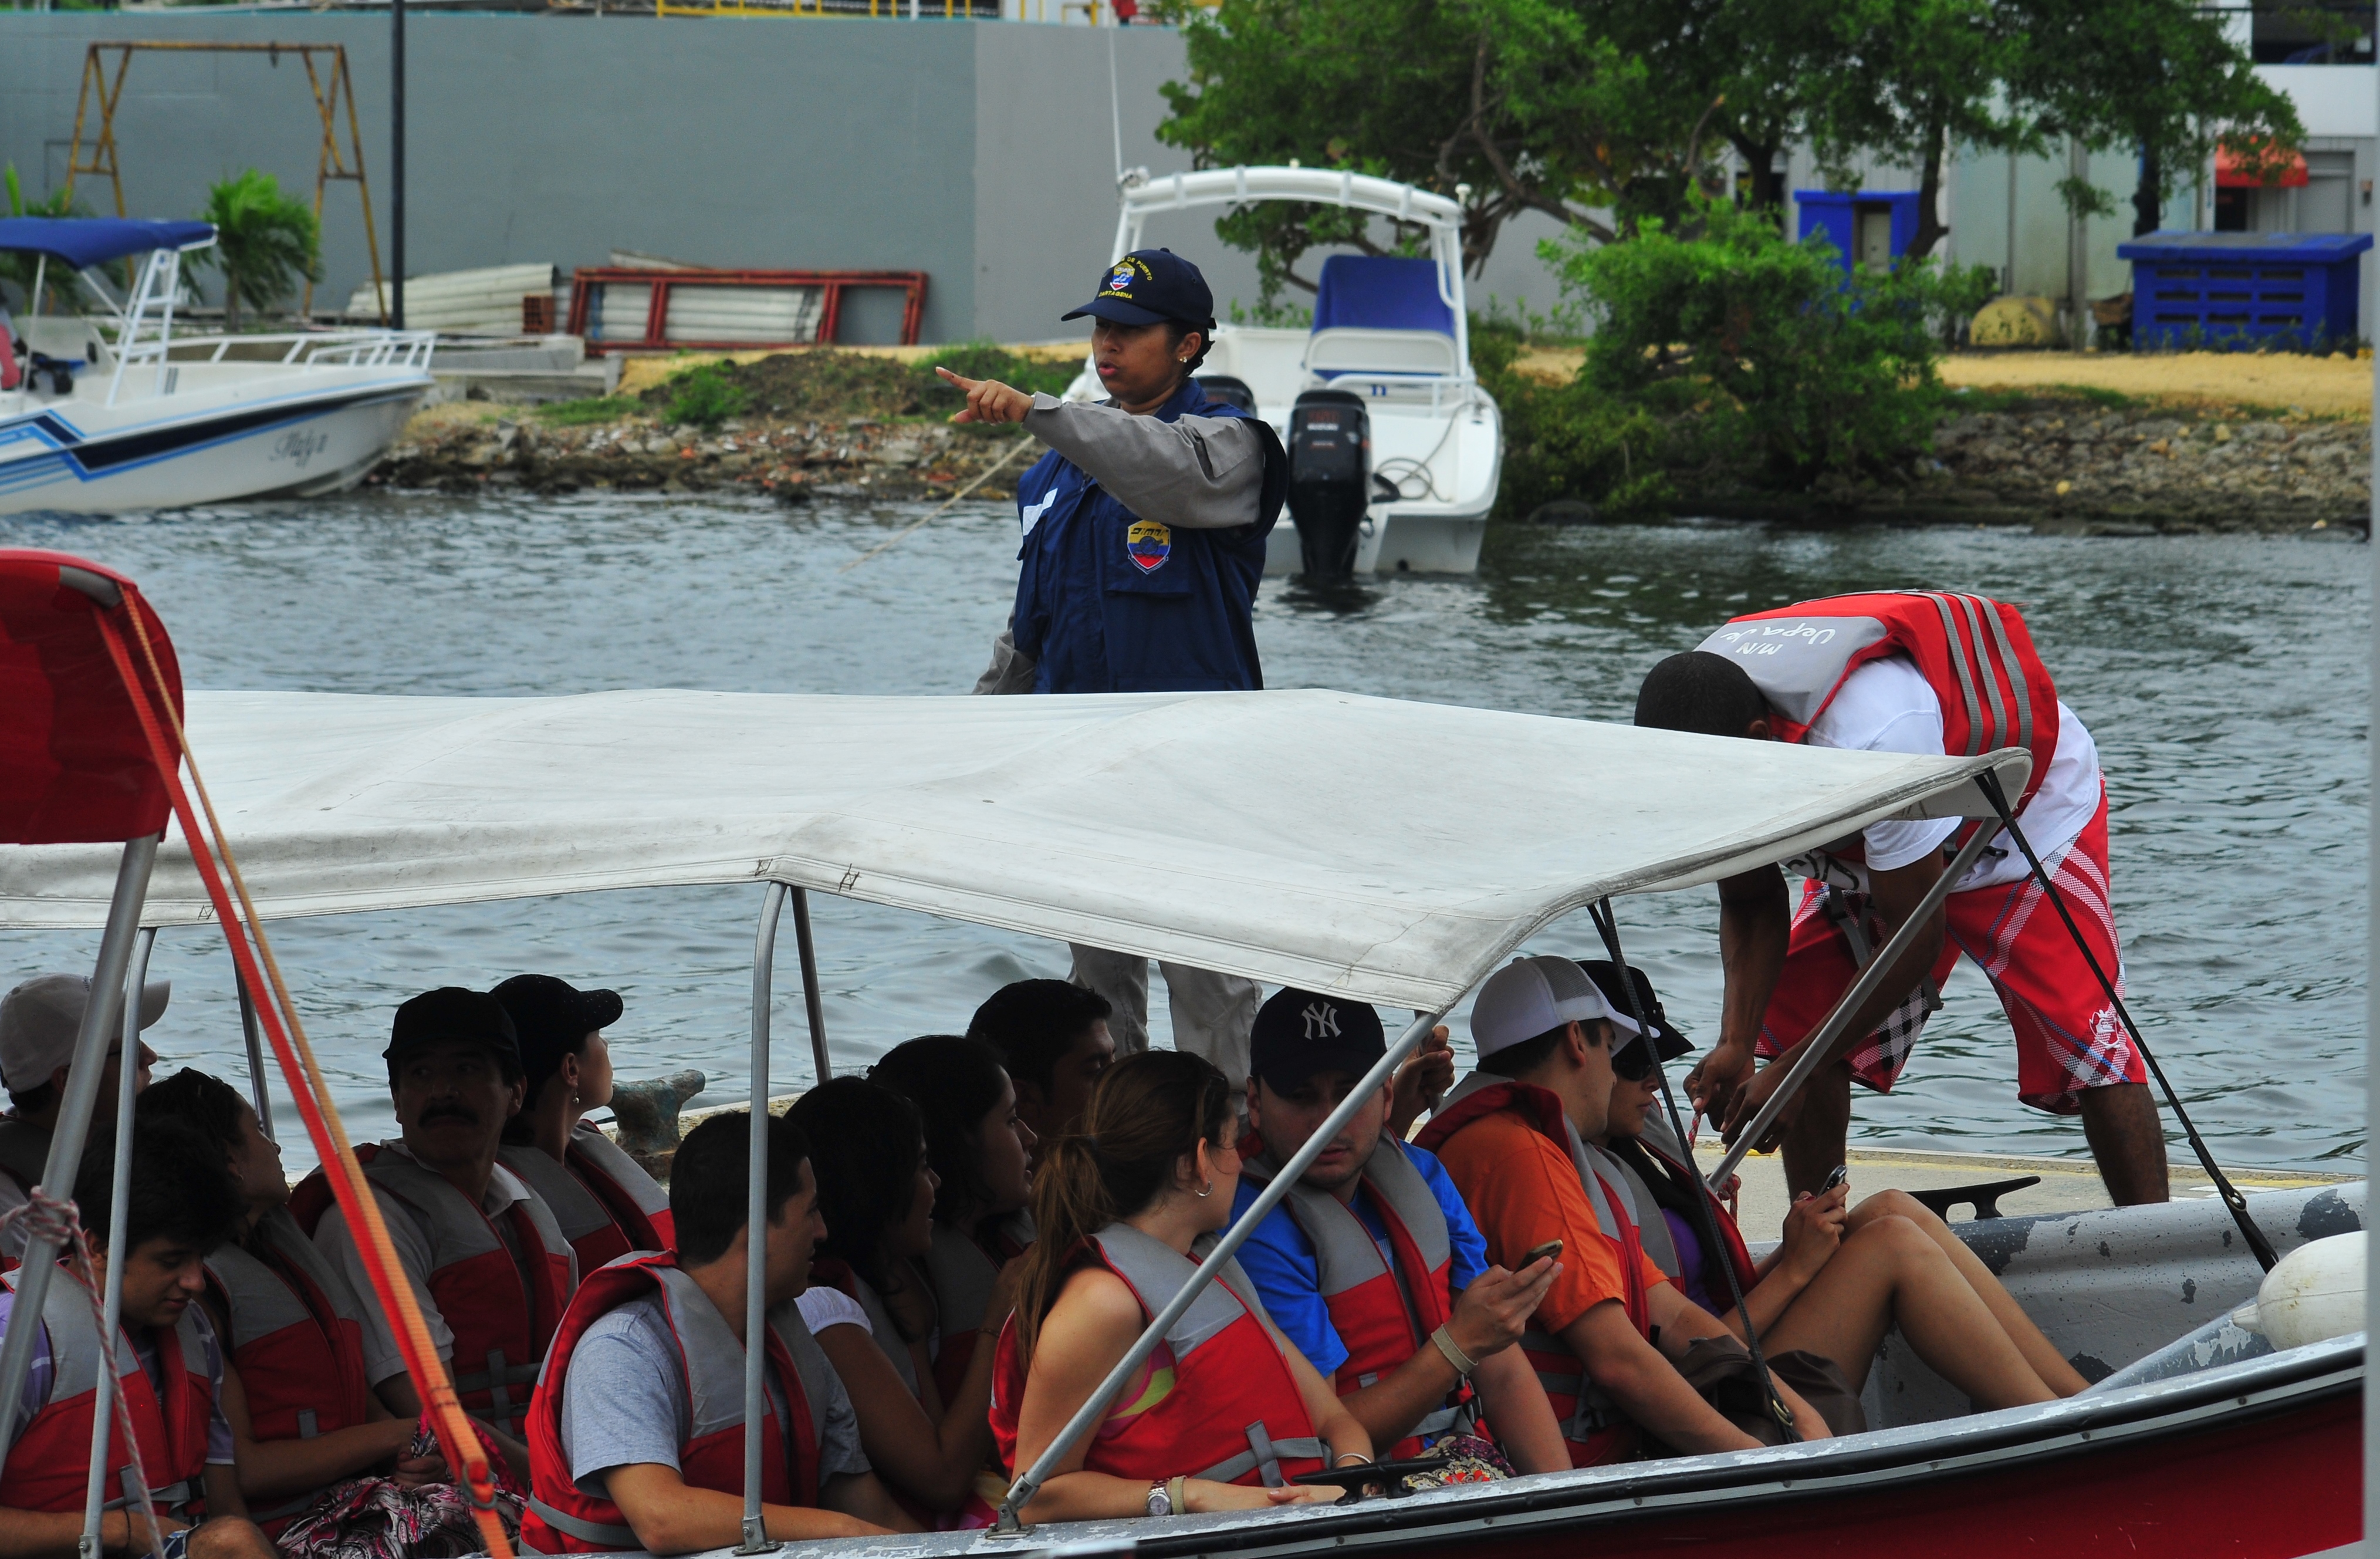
x=265, y=242
x=20, y=267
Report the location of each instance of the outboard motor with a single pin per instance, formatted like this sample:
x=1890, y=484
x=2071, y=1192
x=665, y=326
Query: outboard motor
x=1329, y=480
x=1230, y=391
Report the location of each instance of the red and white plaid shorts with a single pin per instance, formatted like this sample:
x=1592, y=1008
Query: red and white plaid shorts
x=2068, y=1037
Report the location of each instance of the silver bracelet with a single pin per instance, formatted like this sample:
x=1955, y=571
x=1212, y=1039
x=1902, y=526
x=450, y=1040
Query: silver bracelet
x=1454, y=1356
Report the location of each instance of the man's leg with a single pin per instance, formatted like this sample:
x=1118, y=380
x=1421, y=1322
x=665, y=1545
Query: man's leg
x=1212, y=1017
x=1123, y=979
x=1814, y=1143
x=2127, y=1138
x=230, y=1538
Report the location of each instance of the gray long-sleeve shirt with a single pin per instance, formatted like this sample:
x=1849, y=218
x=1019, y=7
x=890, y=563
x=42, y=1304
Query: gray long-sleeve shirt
x=1202, y=473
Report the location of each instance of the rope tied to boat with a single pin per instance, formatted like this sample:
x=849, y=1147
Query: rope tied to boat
x=58, y=1221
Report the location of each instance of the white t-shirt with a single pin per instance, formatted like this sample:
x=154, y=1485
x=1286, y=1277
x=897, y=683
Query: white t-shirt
x=1887, y=706
x=823, y=1307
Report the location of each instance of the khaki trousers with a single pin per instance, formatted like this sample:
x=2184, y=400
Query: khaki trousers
x=1212, y=1013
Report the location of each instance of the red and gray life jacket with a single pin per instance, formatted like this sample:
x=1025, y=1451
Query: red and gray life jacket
x=1654, y=1230
x=1216, y=1401
x=564, y=1519
x=49, y=1466
x=963, y=1274
x=1383, y=1316
x=500, y=1329
x=606, y=1203
x=297, y=1334
x=1593, y=1424
x=1975, y=653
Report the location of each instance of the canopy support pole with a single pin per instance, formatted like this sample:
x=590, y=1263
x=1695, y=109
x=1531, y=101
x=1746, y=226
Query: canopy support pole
x=2232, y=1201
x=813, y=999
x=756, y=1228
x=1095, y=1407
x=1822, y=1039
x=83, y=1097
x=128, y=1069
x=259, y=1094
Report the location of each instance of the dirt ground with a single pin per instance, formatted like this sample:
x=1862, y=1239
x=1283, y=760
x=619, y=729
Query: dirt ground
x=2338, y=385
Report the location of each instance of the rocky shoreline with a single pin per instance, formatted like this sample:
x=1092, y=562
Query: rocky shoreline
x=466, y=448
x=2066, y=467
x=2076, y=468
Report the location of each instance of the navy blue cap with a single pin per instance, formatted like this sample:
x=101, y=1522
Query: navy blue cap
x=1298, y=1033
x=1149, y=287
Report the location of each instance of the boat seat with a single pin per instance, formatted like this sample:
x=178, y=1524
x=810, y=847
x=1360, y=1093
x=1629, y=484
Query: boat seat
x=68, y=339
x=1986, y=1196
x=1344, y=349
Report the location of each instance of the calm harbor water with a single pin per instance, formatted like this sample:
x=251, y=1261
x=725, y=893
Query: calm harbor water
x=2224, y=677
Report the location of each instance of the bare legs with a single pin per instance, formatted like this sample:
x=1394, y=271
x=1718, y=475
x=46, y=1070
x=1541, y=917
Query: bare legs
x=2038, y=1350
x=2120, y=1122
x=1888, y=1273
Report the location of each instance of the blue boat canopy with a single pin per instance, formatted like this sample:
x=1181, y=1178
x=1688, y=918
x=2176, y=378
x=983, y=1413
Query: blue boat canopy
x=84, y=241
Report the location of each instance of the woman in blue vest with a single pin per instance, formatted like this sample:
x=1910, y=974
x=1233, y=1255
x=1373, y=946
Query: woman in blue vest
x=1145, y=528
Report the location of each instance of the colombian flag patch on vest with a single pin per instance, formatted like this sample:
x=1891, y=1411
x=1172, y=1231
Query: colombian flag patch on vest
x=1149, y=544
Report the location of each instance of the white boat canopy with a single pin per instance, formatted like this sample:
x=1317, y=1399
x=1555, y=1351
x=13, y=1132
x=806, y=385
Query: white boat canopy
x=1389, y=851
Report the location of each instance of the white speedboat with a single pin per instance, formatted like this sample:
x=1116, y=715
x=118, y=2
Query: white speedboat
x=118, y=413
x=1390, y=337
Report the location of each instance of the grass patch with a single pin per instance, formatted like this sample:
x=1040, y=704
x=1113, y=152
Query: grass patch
x=595, y=409
x=2040, y=397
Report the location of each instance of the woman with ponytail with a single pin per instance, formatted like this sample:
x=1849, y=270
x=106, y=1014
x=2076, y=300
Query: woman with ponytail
x=1225, y=1410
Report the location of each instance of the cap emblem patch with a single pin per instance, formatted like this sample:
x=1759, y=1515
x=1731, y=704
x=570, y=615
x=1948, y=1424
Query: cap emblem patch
x=1321, y=1021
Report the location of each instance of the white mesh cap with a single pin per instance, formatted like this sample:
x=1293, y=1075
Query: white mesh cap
x=1532, y=996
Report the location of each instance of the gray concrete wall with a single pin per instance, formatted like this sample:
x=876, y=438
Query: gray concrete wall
x=983, y=153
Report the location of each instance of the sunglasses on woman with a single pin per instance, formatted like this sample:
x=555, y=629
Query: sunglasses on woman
x=1632, y=1063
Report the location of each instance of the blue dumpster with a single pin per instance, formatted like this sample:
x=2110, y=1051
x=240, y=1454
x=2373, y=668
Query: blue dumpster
x=1865, y=226
x=2219, y=290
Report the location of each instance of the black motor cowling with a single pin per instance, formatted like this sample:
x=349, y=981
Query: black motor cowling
x=1330, y=479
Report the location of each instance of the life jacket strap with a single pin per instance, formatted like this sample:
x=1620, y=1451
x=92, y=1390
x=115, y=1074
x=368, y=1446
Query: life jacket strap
x=582, y=1529
x=1264, y=1453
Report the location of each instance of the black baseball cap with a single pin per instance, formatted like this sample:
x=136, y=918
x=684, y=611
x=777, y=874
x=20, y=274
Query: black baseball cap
x=1298, y=1033
x=1669, y=1044
x=1149, y=287
x=453, y=1014
x=553, y=1018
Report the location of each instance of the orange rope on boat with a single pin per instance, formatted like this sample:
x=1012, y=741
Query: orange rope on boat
x=308, y=1086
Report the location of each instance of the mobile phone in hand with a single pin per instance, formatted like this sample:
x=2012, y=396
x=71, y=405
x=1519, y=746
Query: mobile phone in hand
x=1836, y=1177
x=1536, y=1253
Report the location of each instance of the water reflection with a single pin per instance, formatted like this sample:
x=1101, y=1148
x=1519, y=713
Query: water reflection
x=2224, y=680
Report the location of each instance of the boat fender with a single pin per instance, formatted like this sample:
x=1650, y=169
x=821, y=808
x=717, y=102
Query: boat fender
x=2316, y=1293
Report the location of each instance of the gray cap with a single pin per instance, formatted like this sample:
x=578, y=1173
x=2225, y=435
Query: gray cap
x=39, y=1020
x=1532, y=996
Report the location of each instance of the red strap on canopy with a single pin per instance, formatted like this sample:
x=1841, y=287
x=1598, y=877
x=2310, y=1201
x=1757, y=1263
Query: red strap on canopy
x=74, y=765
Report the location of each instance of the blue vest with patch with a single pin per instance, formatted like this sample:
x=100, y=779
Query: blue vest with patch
x=1109, y=603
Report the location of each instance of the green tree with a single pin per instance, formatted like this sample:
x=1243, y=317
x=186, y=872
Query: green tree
x=20, y=268
x=265, y=242
x=2159, y=77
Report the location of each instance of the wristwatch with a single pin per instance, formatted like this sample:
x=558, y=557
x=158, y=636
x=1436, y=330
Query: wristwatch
x=1160, y=1502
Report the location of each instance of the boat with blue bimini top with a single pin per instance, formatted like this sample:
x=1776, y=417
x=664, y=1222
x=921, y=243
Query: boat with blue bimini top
x=2226, y=1333
x=114, y=412
x=1395, y=451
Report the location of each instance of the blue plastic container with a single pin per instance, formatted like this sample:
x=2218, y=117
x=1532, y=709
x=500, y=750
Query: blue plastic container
x=2219, y=290
x=1836, y=215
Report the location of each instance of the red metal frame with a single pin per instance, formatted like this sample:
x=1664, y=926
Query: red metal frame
x=584, y=284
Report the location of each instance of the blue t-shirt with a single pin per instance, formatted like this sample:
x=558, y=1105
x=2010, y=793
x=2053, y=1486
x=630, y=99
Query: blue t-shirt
x=1280, y=1260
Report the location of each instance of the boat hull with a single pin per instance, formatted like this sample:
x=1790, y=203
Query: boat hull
x=77, y=457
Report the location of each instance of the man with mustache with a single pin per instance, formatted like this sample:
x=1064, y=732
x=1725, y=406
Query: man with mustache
x=489, y=1266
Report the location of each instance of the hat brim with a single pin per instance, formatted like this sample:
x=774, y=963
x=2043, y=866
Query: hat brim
x=1117, y=310
x=600, y=1008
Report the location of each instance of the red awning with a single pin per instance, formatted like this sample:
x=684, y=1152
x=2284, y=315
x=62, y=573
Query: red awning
x=2238, y=169
x=74, y=765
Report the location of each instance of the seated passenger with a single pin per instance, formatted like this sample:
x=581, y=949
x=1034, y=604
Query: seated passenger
x=1371, y=1264
x=1052, y=1037
x=1840, y=1280
x=1511, y=1136
x=168, y=1366
x=488, y=1264
x=296, y=1388
x=636, y=1429
x=38, y=1023
x=978, y=1147
x=876, y=1191
x=1226, y=1410
x=606, y=1204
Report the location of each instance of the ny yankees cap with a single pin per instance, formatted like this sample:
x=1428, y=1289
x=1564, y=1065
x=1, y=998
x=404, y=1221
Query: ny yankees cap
x=1149, y=286
x=1298, y=1033
x=1533, y=996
